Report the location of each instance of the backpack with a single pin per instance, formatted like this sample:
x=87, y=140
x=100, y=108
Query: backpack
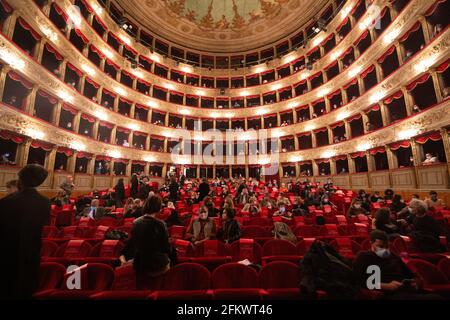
x=324, y=269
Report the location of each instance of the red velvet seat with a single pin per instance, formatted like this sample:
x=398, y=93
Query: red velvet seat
x=94, y=277
x=259, y=221
x=281, y=280
x=185, y=250
x=187, y=281
x=177, y=232
x=444, y=266
x=433, y=278
x=255, y=232
x=108, y=222
x=211, y=254
x=49, y=232
x=277, y=249
x=304, y=245
x=346, y=247
x=107, y=252
x=245, y=249
x=51, y=275
x=69, y=252
x=306, y=231
x=48, y=248
x=235, y=281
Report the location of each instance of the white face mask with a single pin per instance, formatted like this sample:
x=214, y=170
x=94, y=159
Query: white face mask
x=383, y=253
x=357, y=206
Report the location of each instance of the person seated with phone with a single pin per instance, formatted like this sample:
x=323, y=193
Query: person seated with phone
x=397, y=281
x=282, y=211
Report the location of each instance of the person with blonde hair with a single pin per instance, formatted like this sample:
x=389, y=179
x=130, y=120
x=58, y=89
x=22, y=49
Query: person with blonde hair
x=252, y=207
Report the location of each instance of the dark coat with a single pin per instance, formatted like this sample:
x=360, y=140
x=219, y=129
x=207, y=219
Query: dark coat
x=173, y=190
x=144, y=189
x=134, y=189
x=230, y=231
x=22, y=216
x=203, y=190
x=120, y=194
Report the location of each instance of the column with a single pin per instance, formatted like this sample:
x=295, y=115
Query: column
x=22, y=153
x=9, y=25
x=385, y=117
x=3, y=75
x=437, y=86
x=29, y=108
x=76, y=122
x=72, y=162
x=95, y=129
x=57, y=113
x=348, y=129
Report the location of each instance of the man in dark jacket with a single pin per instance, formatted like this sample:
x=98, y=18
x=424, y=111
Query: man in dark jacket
x=144, y=189
x=173, y=189
x=203, y=190
x=230, y=230
x=22, y=216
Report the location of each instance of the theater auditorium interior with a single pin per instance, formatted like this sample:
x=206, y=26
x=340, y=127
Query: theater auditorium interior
x=237, y=150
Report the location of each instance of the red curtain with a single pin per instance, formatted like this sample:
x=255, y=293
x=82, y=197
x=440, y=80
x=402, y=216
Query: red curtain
x=330, y=36
x=303, y=134
x=102, y=158
x=386, y=54
x=142, y=163
x=315, y=75
x=377, y=150
x=331, y=95
x=442, y=67
x=268, y=93
x=101, y=22
x=286, y=138
x=176, y=93
x=60, y=12
x=123, y=130
x=355, y=117
x=52, y=50
x=87, y=118
x=157, y=138
x=289, y=88
x=312, y=51
x=401, y=144
x=320, y=130
x=14, y=76
x=27, y=27
x=93, y=83
x=375, y=107
x=414, y=28
x=116, y=37
x=45, y=95
x=73, y=68
x=97, y=51
x=142, y=134
x=69, y=108
x=421, y=79
x=283, y=66
x=162, y=66
x=351, y=83
x=5, y=6
x=84, y=155
x=148, y=84
x=132, y=76
x=112, y=64
x=319, y=161
x=346, y=52
x=160, y=88
x=88, y=7
x=434, y=136
x=393, y=97
x=318, y=101
x=342, y=157
x=82, y=36
x=299, y=83
x=338, y=28
x=125, y=101
x=367, y=71
x=337, y=124
x=433, y=8
x=331, y=65
x=66, y=151
x=6, y=135
x=106, y=124
x=138, y=106
x=361, y=154
x=361, y=37
x=109, y=93
x=121, y=160
x=42, y=145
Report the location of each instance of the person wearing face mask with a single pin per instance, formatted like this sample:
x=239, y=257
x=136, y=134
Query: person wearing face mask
x=398, y=282
x=201, y=228
x=397, y=204
x=230, y=230
x=364, y=198
x=356, y=208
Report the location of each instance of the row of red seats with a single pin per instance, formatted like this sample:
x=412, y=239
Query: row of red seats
x=191, y=281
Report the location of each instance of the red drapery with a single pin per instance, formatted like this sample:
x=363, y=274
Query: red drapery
x=303, y=134
x=42, y=145
x=330, y=36
x=401, y=144
x=341, y=157
x=93, y=83
x=434, y=136
x=134, y=52
x=148, y=84
x=81, y=35
x=375, y=107
x=160, y=138
x=299, y=83
x=106, y=124
x=73, y=68
x=361, y=154
x=319, y=161
x=289, y=88
x=414, y=28
x=320, y=130
x=112, y=64
x=132, y=76
x=160, y=88
x=88, y=7
x=268, y=93
x=331, y=65
x=312, y=51
x=87, y=118
x=139, y=106
x=6, y=135
x=331, y=95
x=97, y=51
x=393, y=97
x=267, y=116
x=315, y=75
x=101, y=22
x=123, y=130
x=346, y=52
x=141, y=134
x=377, y=150
x=84, y=155
x=367, y=71
x=162, y=66
x=66, y=151
x=351, y=83
x=355, y=117
x=116, y=37
x=286, y=138
x=125, y=101
x=16, y=77
x=386, y=54
x=69, y=108
x=5, y=6
x=337, y=124
x=142, y=163
x=355, y=7
x=27, y=27
x=338, y=28
x=109, y=93
x=302, y=108
x=60, y=12
x=361, y=37
x=283, y=66
x=433, y=8
x=102, y=158
x=317, y=101
x=52, y=50
x=125, y=161
x=442, y=67
x=419, y=80
x=176, y=93
x=45, y=95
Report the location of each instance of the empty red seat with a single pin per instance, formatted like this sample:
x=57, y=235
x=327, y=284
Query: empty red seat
x=51, y=275
x=107, y=221
x=107, y=251
x=255, y=232
x=304, y=245
x=306, y=231
x=259, y=221
x=211, y=254
x=346, y=247
x=187, y=281
x=177, y=232
x=278, y=249
x=245, y=249
x=433, y=278
x=86, y=222
x=329, y=230
x=48, y=248
x=71, y=251
x=235, y=281
x=94, y=277
x=281, y=280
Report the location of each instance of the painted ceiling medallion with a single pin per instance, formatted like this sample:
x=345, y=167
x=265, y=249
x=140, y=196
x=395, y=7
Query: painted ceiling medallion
x=215, y=15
